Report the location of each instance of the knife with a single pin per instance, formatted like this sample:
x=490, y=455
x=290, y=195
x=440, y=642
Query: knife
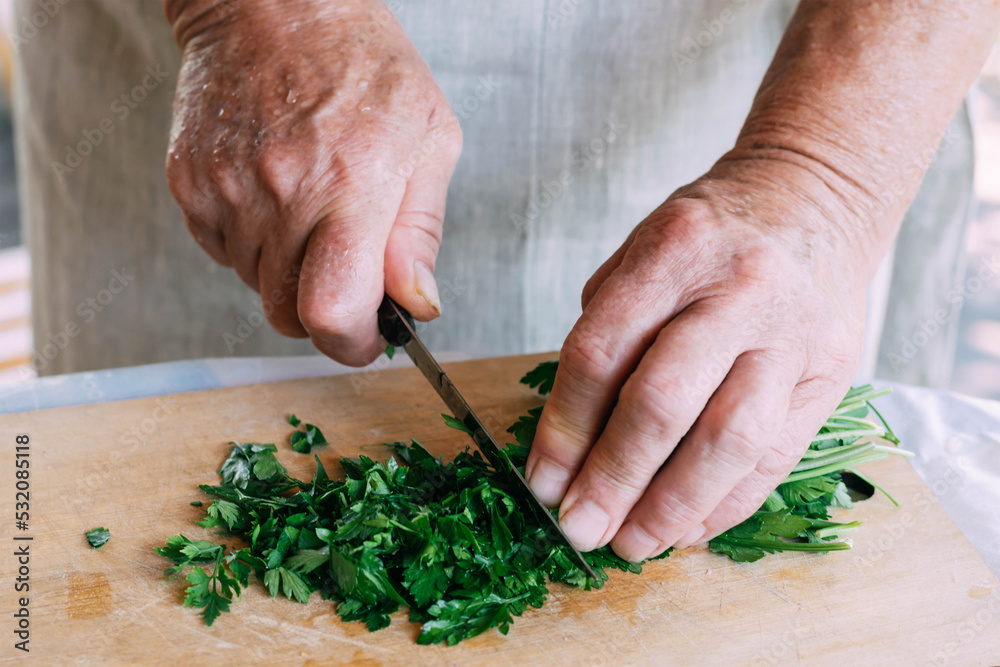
x=398, y=329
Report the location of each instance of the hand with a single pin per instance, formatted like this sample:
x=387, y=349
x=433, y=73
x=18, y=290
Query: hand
x=712, y=346
x=311, y=150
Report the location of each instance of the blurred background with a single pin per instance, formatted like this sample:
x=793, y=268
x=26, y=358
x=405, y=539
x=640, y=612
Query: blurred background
x=977, y=362
x=15, y=323
x=977, y=367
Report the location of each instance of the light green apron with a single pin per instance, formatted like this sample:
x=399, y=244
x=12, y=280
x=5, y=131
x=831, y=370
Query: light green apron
x=579, y=116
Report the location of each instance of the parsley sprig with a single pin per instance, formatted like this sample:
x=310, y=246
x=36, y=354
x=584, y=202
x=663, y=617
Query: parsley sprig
x=796, y=516
x=214, y=591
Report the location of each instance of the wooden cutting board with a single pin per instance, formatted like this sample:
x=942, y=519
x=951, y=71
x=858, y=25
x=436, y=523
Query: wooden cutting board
x=911, y=592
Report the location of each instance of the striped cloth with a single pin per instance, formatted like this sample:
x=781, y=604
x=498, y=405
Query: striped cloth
x=15, y=316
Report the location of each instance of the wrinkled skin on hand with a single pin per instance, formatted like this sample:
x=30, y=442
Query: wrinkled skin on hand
x=717, y=340
x=311, y=150
x=721, y=335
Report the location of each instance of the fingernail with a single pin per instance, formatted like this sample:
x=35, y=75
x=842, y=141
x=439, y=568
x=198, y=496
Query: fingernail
x=548, y=481
x=426, y=285
x=691, y=537
x=634, y=544
x=585, y=524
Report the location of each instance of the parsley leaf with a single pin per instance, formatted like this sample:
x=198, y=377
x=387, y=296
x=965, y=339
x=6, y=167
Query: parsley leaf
x=304, y=441
x=212, y=592
x=542, y=376
x=456, y=423
x=98, y=537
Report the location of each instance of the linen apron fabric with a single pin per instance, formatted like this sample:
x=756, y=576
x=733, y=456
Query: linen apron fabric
x=579, y=116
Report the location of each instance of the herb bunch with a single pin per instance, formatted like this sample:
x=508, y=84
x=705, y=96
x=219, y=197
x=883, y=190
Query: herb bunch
x=447, y=540
x=796, y=516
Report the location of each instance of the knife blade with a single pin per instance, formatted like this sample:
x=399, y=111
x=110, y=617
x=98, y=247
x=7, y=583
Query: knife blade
x=398, y=328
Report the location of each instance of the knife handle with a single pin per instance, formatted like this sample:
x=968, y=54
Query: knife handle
x=390, y=322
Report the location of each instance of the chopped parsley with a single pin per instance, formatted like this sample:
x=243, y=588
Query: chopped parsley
x=98, y=537
x=305, y=439
x=447, y=540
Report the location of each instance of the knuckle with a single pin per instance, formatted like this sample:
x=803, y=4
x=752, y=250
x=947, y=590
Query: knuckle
x=840, y=358
x=679, y=225
x=737, y=447
x=651, y=400
x=735, y=508
x=279, y=309
x=625, y=468
x=587, y=357
x=757, y=266
x=615, y=482
x=280, y=175
x=450, y=138
x=615, y=489
x=326, y=319
x=561, y=436
x=181, y=182
x=589, y=290
x=424, y=227
x=657, y=240
x=775, y=465
x=664, y=509
x=740, y=432
x=176, y=169
x=748, y=419
x=285, y=326
x=561, y=439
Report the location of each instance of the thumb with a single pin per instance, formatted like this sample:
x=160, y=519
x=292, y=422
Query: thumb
x=412, y=248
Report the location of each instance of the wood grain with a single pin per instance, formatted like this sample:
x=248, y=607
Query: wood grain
x=911, y=592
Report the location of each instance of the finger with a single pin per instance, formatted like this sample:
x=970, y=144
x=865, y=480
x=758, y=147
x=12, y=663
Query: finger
x=605, y=271
x=210, y=239
x=607, y=342
x=811, y=404
x=658, y=404
x=200, y=203
x=342, y=279
x=412, y=249
x=280, y=264
x=741, y=421
x=244, y=251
